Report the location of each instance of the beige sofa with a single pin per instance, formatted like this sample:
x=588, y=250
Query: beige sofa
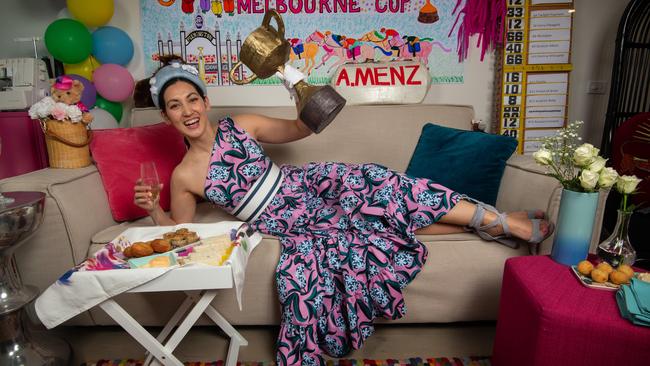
x=459, y=283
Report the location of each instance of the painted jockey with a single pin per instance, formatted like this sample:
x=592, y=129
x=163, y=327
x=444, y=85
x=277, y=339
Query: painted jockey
x=297, y=46
x=394, y=35
x=413, y=44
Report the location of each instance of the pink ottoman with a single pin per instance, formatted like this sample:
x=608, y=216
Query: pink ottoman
x=546, y=317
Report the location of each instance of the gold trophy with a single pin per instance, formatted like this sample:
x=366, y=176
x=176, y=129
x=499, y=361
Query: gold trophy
x=265, y=52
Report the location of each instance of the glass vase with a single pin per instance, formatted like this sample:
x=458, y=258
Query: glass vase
x=617, y=249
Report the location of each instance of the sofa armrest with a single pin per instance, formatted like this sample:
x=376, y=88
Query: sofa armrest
x=76, y=207
x=525, y=185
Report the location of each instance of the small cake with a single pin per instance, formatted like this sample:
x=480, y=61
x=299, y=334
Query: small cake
x=158, y=262
x=178, y=241
x=585, y=267
x=619, y=277
x=141, y=249
x=127, y=252
x=192, y=237
x=599, y=275
x=161, y=245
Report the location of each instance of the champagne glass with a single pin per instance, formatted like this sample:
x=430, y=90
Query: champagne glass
x=149, y=176
x=4, y=201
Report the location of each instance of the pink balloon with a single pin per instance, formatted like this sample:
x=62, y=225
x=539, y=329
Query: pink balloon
x=113, y=82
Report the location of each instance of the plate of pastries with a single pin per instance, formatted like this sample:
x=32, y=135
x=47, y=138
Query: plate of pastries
x=182, y=247
x=171, y=240
x=603, y=276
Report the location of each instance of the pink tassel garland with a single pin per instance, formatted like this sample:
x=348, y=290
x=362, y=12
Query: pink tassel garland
x=482, y=17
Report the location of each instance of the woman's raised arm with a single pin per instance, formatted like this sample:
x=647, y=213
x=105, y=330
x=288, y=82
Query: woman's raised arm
x=272, y=130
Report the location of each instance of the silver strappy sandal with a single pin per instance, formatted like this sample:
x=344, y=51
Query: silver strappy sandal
x=476, y=225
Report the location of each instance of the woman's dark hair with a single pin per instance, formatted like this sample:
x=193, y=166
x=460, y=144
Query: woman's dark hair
x=142, y=94
x=172, y=81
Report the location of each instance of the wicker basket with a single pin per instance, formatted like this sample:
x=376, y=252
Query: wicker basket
x=67, y=143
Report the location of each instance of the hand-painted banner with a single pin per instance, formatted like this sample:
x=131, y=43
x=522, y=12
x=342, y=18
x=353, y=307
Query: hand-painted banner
x=324, y=34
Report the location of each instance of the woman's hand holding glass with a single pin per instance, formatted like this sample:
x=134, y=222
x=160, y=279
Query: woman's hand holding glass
x=147, y=188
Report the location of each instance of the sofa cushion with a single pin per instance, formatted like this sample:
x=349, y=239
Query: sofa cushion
x=468, y=162
x=118, y=153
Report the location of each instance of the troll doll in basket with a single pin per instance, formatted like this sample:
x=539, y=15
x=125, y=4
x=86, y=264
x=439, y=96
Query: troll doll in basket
x=348, y=231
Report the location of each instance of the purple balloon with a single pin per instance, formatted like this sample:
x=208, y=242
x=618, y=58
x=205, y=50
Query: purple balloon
x=89, y=96
x=113, y=82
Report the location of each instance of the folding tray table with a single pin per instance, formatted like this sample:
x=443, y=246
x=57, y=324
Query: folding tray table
x=200, y=284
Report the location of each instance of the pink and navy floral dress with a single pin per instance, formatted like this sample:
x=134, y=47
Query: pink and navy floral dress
x=348, y=242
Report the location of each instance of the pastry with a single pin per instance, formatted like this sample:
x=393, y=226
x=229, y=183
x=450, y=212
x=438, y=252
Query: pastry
x=169, y=235
x=161, y=245
x=599, y=275
x=127, y=252
x=178, y=241
x=619, y=277
x=626, y=269
x=192, y=237
x=585, y=267
x=141, y=249
x=605, y=267
x=182, y=231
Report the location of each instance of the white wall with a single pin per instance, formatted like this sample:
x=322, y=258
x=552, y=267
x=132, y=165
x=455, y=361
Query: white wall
x=595, y=27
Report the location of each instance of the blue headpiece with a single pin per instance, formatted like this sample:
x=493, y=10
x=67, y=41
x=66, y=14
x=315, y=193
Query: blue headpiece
x=172, y=71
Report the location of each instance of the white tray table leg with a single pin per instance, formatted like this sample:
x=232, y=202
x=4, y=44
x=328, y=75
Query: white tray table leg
x=236, y=339
x=182, y=310
x=191, y=318
x=115, y=311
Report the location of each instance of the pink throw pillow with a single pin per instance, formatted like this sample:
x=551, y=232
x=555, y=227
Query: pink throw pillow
x=118, y=153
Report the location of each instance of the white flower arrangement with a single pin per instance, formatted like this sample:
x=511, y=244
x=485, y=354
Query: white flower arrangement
x=579, y=168
x=48, y=108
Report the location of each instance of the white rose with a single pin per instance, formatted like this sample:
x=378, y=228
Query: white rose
x=74, y=113
x=598, y=164
x=588, y=179
x=585, y=154
x=543, y=157
x=607, y=178
x=626, y=184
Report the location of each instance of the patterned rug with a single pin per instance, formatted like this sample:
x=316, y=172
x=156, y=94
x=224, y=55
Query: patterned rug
x=415, y=361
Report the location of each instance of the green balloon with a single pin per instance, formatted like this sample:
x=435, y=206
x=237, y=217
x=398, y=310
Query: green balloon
x=68, y=41
x=114, y=108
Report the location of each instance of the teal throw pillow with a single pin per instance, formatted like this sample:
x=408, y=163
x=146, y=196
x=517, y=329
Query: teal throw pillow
x=468, y=162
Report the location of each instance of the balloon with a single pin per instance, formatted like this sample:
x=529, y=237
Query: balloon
x=112, y=46
x=113, y=82
x=102, y=119
x=84, y=68
x=91, y=13
x=114, y=108
x=68, y=40
x=89, y=95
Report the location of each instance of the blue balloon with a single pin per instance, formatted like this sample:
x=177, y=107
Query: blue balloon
x=112, y=45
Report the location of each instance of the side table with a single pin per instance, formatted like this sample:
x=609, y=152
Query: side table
x=19, y=220
x=546, y=317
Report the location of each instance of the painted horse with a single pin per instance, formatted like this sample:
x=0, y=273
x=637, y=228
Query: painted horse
x=303, y=51
x=403, y=47
x=360, y=52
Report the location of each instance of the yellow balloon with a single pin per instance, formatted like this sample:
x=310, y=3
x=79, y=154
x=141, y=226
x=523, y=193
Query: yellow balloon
x=92, y=13
x=85, y=68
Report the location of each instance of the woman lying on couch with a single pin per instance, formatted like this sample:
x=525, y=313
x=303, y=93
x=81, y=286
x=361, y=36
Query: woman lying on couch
x=347, y=230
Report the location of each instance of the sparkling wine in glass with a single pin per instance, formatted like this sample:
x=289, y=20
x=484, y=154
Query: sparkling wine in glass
x=4, y=201
x=149, y=176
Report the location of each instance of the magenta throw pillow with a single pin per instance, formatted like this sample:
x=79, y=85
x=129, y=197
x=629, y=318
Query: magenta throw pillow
x=118, y=153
